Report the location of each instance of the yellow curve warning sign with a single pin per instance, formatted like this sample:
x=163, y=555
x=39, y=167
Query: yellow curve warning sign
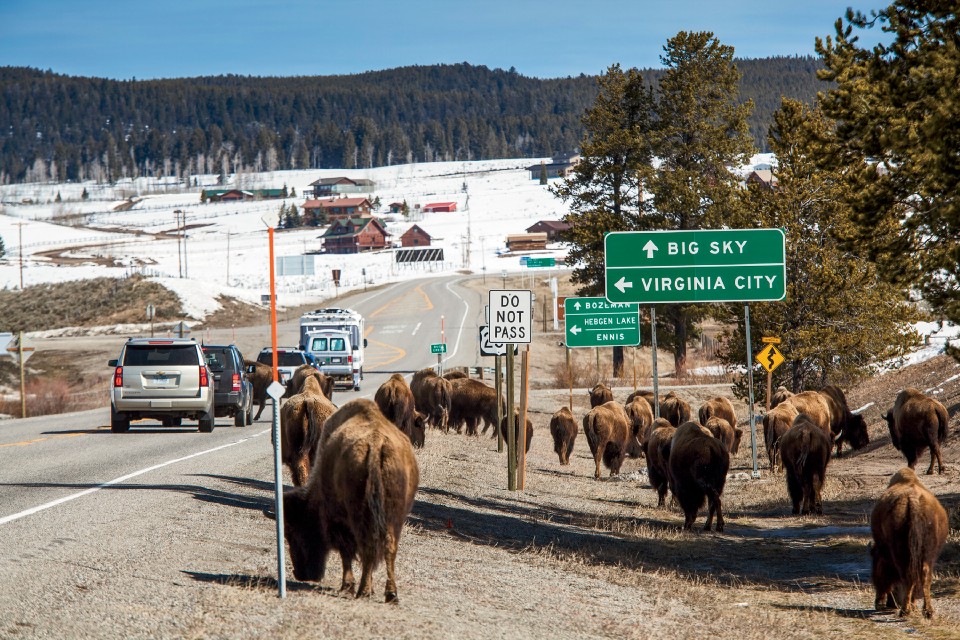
x=770, y=358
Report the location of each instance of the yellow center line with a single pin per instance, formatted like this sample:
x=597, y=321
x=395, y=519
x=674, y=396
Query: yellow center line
x=36, y=440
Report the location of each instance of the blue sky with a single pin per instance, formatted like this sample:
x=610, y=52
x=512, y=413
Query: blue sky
x=124, y=39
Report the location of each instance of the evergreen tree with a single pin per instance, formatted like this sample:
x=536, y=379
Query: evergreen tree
x=293, y=192
x=702, y=130
x=838, y=318
x=543, y=172
x=405, y=209
x=85, y=195
x=58, y=198
x=204, y=197
x=284, y=192
x=3, y=248
x=293, y=220
x=899, y=107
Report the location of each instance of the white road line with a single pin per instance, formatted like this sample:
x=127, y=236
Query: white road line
x=42, y=507
x=466, y=310
x=416, y=328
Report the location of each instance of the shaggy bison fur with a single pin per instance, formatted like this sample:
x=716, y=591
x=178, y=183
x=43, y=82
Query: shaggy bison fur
x=641, y=418
x=805, y=452
x=721, y=407
x=260, y=377
x=431, y=395
x=674, y=409
x=563, y=428
x=600, y=394
x=470, y=402
x=301, y=420
x=295, y=382
x=356, y=501
x=608, y=432
x=658, y=456
x=516, y=429
x=698, y=471
x=776, y=423
x=918, y=422
x=395, y=401
x=909, y=527
x=845, y=425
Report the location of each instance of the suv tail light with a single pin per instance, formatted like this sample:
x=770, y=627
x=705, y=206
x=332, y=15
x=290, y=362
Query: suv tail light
x=118, y=377
x=236, y=382
x=204, y=380
x=349, y=358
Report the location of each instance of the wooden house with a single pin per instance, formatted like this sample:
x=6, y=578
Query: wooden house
x=553, y=229
x=327, y=210
x=415, y=237
x=325, y=187
x=527, y=242
x=353, y=235
x=763, y=177
x=560, y=166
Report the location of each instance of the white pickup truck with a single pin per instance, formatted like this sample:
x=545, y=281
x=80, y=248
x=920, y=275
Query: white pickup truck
x=333, y=351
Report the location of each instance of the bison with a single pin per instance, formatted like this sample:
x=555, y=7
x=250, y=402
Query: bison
x=646, y=395
x=698, y=466
x=805, y=452
x=608, y=432
x=600, y=394
x=658, y=456
x=816, y=406
x=564, y=432
x=357, y=499
x=844, y=424
x=728, y=436
x=721, y=407
x=776, y=423
x=470, y=402
x=455, y=375
x=395, y=401
x=918, y=422
x=516, y=429
x=303, y=371
x=431, y=395
x=641, y=418
x=781, y=394
x=675, y=409
x=301, y=419
x=260, y=376
x=909, y=527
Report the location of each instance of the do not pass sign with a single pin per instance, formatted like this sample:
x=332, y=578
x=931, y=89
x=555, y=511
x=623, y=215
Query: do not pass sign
x=511, y=317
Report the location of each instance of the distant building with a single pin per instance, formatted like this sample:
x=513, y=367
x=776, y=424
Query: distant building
x=553, y=228
x=526, y=242
x=340, y=185
x=327, y=210
x=763, y=177
x=233, y=195
x=415, y=237
x=445, y=207
x=560, y=166
x=353, y=235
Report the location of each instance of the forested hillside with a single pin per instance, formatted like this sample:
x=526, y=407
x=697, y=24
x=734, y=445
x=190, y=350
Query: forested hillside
x=58, y=127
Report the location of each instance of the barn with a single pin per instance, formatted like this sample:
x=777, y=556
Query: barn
x=440, y=207
x=553, y=229
x=415, y=237
x=353, y=235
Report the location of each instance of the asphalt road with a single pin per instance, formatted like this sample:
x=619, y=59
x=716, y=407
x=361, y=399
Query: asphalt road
x=98, y=531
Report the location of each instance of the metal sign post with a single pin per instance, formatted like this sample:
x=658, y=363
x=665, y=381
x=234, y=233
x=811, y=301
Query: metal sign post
x=275, y=391
x=753, y=424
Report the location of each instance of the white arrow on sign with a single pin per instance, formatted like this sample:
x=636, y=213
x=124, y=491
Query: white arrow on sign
x=576, y=305
x=623, y=285
x=650, y=247
x=575, y=329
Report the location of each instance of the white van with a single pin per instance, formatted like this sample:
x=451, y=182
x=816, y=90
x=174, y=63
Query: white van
x=339, y=320
x=333, y=351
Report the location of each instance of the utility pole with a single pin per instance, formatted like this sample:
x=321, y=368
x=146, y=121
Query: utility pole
x=176, y=212
x=20, y=249
x=185, y=273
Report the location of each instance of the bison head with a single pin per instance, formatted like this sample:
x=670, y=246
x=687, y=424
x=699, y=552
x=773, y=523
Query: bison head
x=308, y=547
x=856, y=431
x=419, y=429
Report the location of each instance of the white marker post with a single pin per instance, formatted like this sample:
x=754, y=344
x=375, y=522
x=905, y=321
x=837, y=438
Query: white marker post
x=275, y=391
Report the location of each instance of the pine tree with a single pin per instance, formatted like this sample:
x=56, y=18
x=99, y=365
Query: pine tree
x=284, y=192
x=838, y=318
x=3, y=248
x=543, y=172
x=85, y=195
x=204, y=197
x=702, y=130
x=58, y=198
x=293, y=192
x=899, y=107
x=293, y=217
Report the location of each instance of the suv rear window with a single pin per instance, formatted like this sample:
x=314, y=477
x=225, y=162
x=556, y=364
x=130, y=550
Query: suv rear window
x=284, y=358
x=166, y=355
x=217, y=359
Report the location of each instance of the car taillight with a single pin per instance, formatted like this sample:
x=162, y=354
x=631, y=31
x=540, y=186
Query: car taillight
x=118, y=377
x=349, y=358
x=204, y=381
x=236, y=382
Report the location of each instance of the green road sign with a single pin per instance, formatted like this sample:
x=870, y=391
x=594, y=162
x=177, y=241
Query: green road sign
x=541, y=262
x=596, y=322
x=438, y=348
x=710, y=265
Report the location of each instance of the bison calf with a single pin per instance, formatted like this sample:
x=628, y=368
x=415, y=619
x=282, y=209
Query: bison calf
x=698, y=471
x=720, y=407
x=918, y=422
x=805, y=452
x=564, y=432
x=608, y=432
x=357, y=499
x=909, y=527
x=658, y=456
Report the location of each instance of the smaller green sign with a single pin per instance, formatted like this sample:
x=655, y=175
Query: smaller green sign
x=541, y=262
x=438, y=348
x=596, y=322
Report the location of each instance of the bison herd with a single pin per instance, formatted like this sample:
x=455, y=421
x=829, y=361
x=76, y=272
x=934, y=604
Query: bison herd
x=356, y=475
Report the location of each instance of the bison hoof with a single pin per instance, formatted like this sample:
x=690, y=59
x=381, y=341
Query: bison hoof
x=348, y=587
x=392, y=598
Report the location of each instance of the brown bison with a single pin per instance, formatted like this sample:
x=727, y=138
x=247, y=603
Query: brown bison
x=455, y=375
x=844, y=424
x=646, y=395
x=776, y=423
x=431, y=394
x=600, y=394
x=303, y=371
x=781, y=394
x=357, y=499
x=721, y=407
x=641, y=418
x=909, y=527
x=918, y=422
x=805, y=452
x=395, y=401
x=675, y=409
x=608, y=432
x=301, y=419
x=722, y=431
x=816, y=406
x=260, y=376
x=658, y=456
x=698, y=471
x=564, y=432
x=470, y=402
x=516, y=429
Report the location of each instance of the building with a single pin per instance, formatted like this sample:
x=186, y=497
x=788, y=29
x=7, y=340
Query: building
x=560, y=166
x=553, y=229
x=353, y=235
x=415, y=237
x=527, y=242
x=327, y=210
x=763, y=177
x=440, y=207
x=340, y=185
x=233, y=195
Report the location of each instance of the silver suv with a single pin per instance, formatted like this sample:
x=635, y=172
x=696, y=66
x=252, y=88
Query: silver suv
x=163, y=379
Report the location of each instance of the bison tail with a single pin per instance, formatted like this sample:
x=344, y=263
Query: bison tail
x=944, y=420
x=916, y=534
x=312, y=440
x=376, y=498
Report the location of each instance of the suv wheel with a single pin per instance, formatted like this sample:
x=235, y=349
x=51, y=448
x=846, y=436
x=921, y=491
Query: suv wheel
x=119, y=423
x=240, y=418
x=206, y=422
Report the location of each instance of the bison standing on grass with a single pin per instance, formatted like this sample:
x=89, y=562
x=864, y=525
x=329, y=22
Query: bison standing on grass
x=431, y=395
x=357, y=500
x=918, y=422
x=675, y=409
x=805, y=452
x=301, y=419
x=698, y=471
x=909, y=527
x=845, y=424
x=600, y=394
x=721, y=407
x=470, y=402
x=658, y=458
x=395, y=401
x=608, y=432
x=564, y=432
x=776, y=423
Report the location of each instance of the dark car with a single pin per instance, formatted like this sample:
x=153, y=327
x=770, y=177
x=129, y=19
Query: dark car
x=288, y=360
x=233, y=393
